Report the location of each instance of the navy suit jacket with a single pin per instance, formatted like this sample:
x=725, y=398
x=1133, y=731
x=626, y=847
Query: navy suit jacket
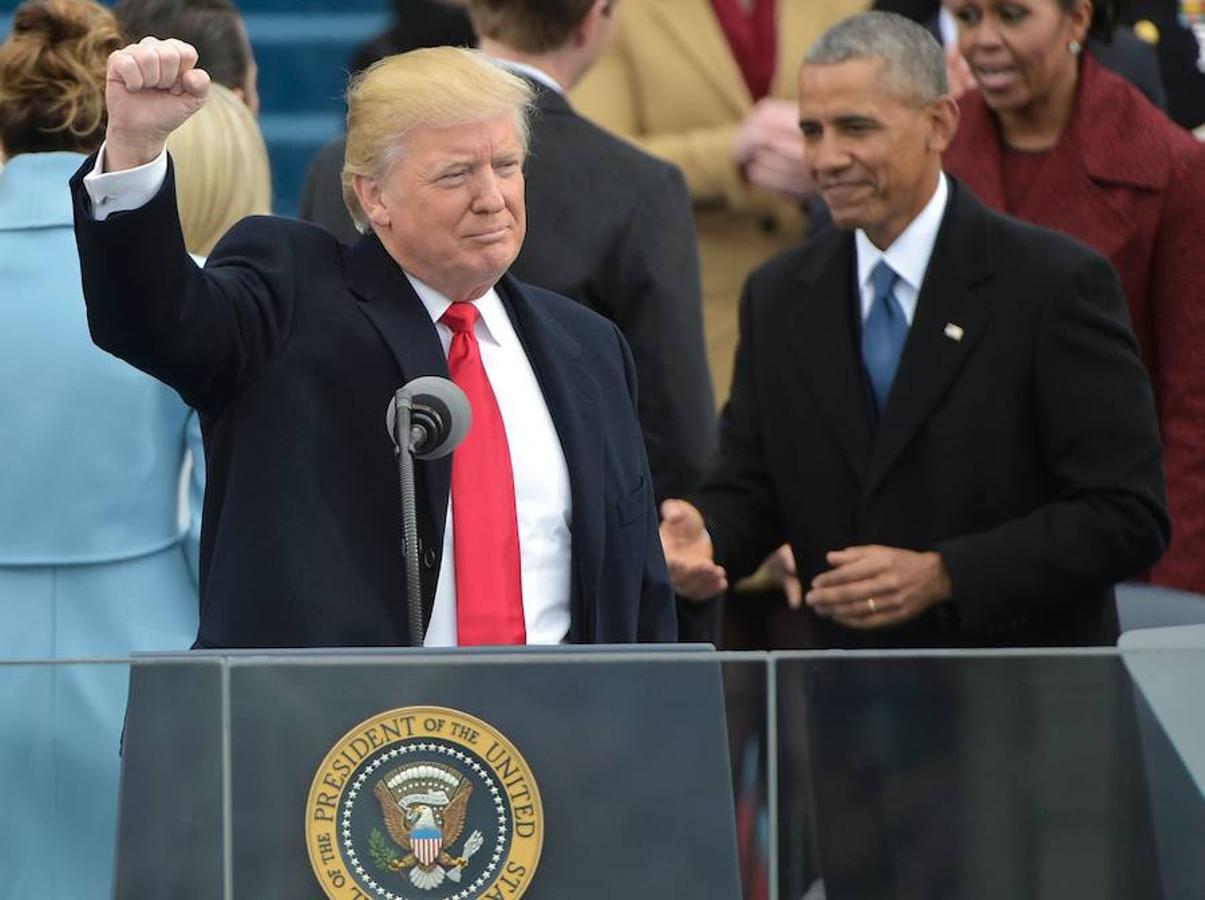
x=290, y=345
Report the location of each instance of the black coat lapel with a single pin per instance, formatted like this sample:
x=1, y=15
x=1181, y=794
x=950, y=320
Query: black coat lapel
x=947, y=303
x=822, y=330
x=390, y=303
x=572, y=395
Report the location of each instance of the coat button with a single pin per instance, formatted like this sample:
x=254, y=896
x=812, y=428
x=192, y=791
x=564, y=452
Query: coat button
x=429, y=558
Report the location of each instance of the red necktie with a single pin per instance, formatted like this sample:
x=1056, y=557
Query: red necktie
x=489, y=589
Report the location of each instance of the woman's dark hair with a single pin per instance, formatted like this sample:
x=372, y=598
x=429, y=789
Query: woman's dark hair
x=52, y=76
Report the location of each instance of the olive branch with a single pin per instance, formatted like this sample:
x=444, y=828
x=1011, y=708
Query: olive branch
x=380, y=851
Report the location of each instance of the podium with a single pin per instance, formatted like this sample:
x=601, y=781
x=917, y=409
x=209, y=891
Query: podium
x=1042, y=774
x=545, y=773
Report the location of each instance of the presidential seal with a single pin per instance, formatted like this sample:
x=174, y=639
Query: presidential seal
x=424, y=803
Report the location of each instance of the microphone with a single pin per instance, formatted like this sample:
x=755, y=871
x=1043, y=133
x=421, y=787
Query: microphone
x=427, y=418
x=440, y=416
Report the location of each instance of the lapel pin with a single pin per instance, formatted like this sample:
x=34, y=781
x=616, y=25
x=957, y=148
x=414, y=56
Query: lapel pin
x=954, y=332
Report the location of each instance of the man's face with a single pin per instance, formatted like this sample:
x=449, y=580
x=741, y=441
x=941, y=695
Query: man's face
x=873, y=153
x=450, y=209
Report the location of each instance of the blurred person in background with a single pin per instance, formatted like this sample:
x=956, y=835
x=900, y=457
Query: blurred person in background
x=94, y=559
x=1175, y=29
x=417, y=24
x=214, y=27
x=1052, y=137
x=710, y=85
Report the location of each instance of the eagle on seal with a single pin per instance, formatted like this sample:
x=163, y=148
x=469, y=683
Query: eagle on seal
x=423, y=831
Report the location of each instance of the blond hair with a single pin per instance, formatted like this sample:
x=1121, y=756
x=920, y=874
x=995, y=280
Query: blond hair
x=221, y=167
x=434, y=87
x=52, y=76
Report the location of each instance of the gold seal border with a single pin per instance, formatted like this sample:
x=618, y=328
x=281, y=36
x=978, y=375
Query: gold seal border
x=328, y=861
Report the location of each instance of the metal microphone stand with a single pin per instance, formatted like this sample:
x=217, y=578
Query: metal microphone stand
x=404, y=441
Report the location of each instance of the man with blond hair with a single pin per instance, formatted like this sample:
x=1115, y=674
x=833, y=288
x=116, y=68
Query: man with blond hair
x=541, y=527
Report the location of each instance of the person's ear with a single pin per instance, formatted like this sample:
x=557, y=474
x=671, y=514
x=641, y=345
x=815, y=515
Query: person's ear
x=368, y=192
x=943, y=123
x=590, y=22
x=1081, y=20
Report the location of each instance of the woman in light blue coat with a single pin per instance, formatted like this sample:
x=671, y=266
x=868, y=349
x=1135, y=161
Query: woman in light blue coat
x=97, y=557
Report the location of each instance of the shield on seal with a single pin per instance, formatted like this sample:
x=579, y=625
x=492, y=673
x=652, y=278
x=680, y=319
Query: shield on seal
x=426, y=844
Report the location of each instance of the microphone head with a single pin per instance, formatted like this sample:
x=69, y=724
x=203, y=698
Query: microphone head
x=440, y=416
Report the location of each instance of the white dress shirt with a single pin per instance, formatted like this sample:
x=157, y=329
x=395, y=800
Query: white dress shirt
x=908, y=254
x=543, y=500
x=542, y=496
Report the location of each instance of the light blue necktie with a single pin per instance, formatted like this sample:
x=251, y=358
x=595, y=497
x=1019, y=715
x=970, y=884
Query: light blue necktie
x=883, y=333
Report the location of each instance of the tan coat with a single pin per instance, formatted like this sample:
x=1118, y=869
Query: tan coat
x=670, y=83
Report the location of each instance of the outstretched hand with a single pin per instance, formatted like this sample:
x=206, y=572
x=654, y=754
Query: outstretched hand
x=689, y=553
x=151, y=89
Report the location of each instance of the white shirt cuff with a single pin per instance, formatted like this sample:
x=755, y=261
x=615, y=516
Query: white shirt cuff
x=113, y=192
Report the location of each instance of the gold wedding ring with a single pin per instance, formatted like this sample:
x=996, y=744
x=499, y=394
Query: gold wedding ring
x=871, y=605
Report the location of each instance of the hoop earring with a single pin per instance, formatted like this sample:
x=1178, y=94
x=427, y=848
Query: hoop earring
x=1074, y=47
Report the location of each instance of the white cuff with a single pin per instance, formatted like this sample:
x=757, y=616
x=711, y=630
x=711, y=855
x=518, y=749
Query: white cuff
x=113, y=192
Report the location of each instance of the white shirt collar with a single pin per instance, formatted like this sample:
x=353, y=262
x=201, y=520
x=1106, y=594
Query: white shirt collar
x=908, y=254
x=493, y=324
x=531, y=72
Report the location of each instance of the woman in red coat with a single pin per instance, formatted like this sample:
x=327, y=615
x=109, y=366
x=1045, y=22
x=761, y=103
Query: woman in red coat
x=1052, y=137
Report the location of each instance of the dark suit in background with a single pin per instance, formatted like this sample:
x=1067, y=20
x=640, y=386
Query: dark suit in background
x=1179, y=51
x=611, y=227
x=322, y=194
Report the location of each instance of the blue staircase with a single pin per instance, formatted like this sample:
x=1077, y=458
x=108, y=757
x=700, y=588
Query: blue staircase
x=302, y=48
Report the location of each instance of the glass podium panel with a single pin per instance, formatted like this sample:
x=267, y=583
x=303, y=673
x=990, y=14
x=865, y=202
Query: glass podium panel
x=990, y=775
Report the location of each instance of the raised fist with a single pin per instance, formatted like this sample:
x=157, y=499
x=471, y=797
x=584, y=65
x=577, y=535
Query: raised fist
x=151, y=88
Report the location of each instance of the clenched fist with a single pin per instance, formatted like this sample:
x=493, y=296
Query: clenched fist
x=151, y=88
